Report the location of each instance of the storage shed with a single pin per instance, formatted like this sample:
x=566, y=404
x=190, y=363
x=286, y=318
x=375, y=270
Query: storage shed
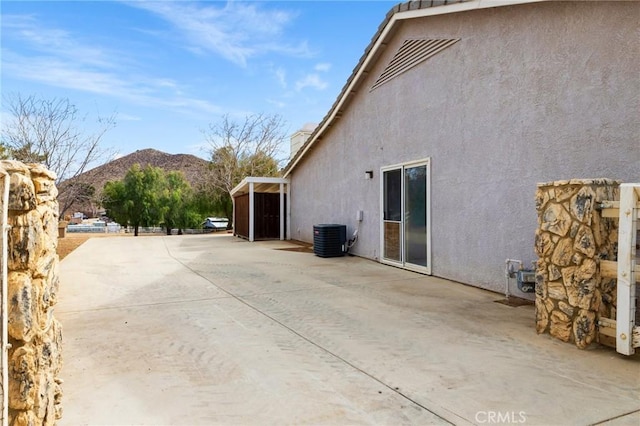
x=260, y=208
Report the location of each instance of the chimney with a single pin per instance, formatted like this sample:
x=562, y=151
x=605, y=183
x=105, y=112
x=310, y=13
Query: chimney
x=300, y=137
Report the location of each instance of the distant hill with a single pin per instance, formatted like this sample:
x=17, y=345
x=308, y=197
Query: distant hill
x=194, y=169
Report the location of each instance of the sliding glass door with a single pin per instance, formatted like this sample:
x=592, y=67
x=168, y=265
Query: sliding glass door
x=405, y=216
x=392, y=215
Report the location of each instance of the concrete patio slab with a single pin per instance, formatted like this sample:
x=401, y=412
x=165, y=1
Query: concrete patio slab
x=211, y=329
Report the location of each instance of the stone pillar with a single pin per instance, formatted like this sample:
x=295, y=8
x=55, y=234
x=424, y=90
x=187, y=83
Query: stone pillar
x=34, y=334
x=570, y=241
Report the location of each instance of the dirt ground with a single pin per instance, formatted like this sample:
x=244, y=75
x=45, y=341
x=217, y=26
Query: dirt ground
x=70, y=242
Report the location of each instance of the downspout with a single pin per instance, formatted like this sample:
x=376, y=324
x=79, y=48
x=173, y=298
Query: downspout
x=5, y=335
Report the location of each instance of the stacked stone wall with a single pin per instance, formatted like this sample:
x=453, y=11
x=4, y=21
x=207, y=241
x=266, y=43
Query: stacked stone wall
x=571, y=239
x=35, y=336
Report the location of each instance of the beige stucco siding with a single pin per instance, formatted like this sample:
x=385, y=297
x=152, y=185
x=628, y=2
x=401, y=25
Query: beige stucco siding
x=530, y=93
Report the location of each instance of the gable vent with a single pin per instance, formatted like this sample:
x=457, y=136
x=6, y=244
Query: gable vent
x=411, y=53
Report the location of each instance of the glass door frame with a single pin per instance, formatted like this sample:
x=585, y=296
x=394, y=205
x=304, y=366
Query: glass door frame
x=403, y=263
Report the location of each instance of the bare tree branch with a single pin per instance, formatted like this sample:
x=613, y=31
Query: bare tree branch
x=48, y=131
x=248, y=148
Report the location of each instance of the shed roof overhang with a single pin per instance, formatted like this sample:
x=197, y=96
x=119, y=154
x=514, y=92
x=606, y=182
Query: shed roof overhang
x=260, y=184
x=400, y=12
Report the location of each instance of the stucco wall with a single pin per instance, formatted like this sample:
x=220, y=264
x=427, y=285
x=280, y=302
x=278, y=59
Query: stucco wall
x=531, y=93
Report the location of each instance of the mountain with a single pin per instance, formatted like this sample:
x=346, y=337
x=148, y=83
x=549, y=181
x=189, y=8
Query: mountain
x=194, y=169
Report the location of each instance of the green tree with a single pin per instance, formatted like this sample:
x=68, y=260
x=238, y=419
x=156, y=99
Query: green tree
x=113, y=200
x=4, y=151
x=207, y=201
x=242, y=149
x=137, y=199
x=178, y=201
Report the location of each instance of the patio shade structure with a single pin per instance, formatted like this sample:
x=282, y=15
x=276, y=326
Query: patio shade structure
x=261, y=209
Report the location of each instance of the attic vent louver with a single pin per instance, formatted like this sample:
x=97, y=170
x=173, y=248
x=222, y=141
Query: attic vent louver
x=411, y=53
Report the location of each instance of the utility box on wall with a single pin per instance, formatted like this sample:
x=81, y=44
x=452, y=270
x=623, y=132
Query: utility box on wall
x=329, y=240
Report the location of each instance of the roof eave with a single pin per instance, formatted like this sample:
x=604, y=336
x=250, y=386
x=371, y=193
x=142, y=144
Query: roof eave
x=244, y=184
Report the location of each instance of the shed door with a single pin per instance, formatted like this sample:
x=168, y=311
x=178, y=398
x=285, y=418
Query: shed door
x=405, y=226
x=266, y=216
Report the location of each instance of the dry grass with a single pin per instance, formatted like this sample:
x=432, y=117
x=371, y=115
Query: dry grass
x=72, y=241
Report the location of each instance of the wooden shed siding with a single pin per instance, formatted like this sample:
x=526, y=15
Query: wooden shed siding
x=266, y=217
x=241, y=217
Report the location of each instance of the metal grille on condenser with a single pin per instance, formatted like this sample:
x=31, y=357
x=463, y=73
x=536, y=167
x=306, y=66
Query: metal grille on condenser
x=411, y=53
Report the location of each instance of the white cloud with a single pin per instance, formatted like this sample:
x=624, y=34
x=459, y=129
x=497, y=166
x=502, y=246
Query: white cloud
x=323, y=67
x=237, y=31
x=277, y=104
x=52, y=41
x=281, y=76
x=127, y=117
x=200, y=149
x=311, y=80
x=56, y=59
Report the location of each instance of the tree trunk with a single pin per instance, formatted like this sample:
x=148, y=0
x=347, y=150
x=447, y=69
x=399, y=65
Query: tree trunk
x=135, y=230
x=168, y=231
x=228, y=211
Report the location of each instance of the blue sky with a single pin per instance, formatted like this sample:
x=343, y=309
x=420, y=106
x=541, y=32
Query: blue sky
x=169, y=68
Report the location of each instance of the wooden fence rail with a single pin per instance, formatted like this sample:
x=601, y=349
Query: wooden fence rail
x=626, y=270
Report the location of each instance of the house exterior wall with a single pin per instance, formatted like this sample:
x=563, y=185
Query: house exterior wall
x=531, y=93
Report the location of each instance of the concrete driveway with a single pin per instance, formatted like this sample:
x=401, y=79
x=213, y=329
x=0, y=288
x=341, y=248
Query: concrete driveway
x=210, y=329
